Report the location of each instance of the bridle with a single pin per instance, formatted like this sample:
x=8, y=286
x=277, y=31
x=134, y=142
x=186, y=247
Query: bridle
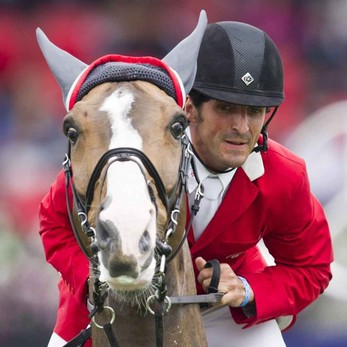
x=164, y=252
x=171, y=203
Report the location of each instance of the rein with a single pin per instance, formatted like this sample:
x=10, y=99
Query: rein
x=127, y=154
x=165, y=254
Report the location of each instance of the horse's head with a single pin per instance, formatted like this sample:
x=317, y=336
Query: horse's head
x=123, y=116
x=124, y=124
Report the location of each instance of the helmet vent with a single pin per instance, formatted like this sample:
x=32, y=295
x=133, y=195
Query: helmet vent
x=247, y=78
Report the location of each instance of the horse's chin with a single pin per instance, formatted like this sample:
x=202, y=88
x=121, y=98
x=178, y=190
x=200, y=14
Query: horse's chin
x=127, y=284
x=134, y=293
x=135, y=296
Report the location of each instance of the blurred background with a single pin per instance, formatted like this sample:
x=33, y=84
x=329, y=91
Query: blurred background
x=312, y=38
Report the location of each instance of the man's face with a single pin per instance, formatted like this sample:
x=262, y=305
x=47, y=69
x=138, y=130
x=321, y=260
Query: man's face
x=224, y=134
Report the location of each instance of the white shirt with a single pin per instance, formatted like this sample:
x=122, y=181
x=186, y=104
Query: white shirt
x=206, y=212
x=192, y=185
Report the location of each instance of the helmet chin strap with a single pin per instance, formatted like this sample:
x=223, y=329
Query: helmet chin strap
x=264, y=146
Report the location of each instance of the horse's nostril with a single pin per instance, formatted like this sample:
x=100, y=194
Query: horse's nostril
x=145, y=242
x=106, y=230
x=94, y=248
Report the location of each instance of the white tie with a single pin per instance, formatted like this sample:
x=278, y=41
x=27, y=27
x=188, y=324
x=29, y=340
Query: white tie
x=208, y=205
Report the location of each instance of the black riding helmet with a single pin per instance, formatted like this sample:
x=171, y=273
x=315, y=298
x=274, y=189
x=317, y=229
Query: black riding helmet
x=240, y=64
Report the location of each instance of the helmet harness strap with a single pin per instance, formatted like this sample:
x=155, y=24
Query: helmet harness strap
x=264, y=146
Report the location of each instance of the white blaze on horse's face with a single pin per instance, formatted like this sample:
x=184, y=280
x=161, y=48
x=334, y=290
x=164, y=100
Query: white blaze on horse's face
x=128, y=217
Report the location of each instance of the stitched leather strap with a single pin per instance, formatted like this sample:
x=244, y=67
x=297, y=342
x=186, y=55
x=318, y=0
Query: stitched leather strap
x=80, y=339
x=214, y=263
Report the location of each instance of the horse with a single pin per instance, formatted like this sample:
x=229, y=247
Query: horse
x=126, y=166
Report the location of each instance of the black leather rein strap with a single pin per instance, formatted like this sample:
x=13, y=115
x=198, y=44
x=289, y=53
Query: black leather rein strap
x=81, y=338
x=213, y=287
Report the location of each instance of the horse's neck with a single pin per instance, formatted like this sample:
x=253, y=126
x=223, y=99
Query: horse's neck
x=180, y=274
x=183, y=325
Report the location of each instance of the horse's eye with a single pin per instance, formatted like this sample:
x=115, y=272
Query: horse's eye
x=72, y=135
x=177, y=129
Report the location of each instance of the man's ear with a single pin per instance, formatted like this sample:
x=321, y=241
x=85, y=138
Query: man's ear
x=190, y=110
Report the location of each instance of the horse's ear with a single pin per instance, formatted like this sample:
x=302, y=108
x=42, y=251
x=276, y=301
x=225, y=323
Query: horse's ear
x=65, y=67
x=183, y=57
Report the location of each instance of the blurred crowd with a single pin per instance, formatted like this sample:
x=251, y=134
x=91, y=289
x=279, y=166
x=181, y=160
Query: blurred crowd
x=311, y=36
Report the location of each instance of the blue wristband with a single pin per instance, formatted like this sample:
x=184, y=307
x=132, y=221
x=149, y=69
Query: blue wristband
x=248, y=291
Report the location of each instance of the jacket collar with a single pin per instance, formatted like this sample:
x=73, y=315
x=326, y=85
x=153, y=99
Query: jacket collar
x=253, y=166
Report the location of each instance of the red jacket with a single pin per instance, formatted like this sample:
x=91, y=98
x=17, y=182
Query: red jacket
x=64, y=254
x=278, y=207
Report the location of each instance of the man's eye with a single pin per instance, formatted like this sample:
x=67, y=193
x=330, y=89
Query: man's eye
x=72, y=135
x=255, y=110
x=226, y=107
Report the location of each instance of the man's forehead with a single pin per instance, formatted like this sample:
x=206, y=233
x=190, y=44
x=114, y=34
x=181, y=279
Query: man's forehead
x=231, y=104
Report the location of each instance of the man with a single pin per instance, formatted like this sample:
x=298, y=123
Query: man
x=254, y=189
x=260, y=190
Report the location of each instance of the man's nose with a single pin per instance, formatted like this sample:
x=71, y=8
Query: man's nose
x=240, y=122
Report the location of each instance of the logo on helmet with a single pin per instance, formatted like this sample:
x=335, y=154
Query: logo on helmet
x=247, y=78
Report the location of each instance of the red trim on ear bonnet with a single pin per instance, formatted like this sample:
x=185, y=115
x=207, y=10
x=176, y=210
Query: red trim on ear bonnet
x=152, y=66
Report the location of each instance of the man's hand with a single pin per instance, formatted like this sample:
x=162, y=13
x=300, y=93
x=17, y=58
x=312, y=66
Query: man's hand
x=229, y=283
